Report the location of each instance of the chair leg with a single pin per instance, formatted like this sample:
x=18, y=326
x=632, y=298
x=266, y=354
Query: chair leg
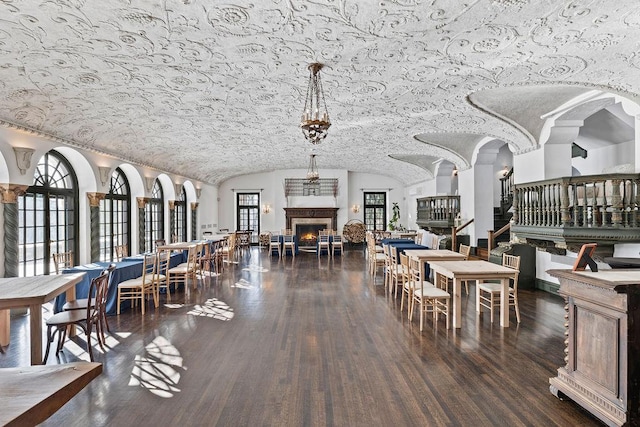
x=515, y=303
x=477, y=298
x=118, y=302
x=49, y=339
x=89, y=348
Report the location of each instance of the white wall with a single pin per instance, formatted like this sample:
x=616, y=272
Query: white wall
x=271, y=187
x=412, y=194
x=598, y=160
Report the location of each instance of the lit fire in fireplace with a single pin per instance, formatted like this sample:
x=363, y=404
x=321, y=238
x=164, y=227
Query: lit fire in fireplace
x=308, y=239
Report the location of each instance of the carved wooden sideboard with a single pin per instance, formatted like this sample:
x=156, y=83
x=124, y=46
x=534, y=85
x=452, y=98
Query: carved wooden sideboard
x=602, y=355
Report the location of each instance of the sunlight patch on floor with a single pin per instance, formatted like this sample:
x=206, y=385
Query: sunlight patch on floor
x=214, y=308
x=174, y=306
x=158, y=371
x=243, y=284
x=210, y=274
x=255, y=269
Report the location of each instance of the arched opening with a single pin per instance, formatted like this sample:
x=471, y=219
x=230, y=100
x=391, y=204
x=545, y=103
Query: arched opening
x=180, y=226
x=48, y=216
x=115, y=224
x=154, y=217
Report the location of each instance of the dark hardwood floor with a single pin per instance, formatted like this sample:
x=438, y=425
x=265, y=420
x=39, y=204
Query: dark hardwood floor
x=315, y=342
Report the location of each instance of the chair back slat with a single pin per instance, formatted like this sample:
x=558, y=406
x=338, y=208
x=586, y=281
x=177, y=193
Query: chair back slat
x=62, y=260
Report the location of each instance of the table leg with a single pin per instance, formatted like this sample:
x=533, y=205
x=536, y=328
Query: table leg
x=5, y=327
x=504, y=303
x=457, y=304
x=35, y=320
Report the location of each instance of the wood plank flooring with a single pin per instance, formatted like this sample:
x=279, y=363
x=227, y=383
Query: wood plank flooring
x=309, y=342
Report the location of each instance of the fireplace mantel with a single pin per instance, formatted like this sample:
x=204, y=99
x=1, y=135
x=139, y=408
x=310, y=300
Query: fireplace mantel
x=312, y=213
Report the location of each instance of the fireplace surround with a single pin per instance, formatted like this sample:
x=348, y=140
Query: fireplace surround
x=317, y=218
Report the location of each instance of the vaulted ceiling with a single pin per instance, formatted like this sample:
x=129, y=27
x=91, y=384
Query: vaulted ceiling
x=211, y=91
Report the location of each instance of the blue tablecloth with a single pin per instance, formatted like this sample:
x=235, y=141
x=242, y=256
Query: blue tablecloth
x=388, y=241
x=281, y=240
x=128, y=268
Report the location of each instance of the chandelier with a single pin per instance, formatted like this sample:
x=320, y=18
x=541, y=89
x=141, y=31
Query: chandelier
x=312, y=172
x=315, y=118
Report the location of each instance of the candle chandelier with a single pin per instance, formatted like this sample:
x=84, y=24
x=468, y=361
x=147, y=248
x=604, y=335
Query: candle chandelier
x=312, y=172
x=315, y=118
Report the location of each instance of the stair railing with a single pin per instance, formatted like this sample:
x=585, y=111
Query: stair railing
x=491, y=241
x=455, y=231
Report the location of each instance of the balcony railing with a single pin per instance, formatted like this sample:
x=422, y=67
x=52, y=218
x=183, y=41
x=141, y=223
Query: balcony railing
x=438, y=213
x=574, y=210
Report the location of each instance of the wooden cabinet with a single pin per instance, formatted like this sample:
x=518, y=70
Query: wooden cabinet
x=602, y=371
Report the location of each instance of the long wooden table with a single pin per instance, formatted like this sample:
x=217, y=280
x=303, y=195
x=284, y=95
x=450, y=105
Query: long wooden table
x=32, y=292
x=426, y=256
x=459, y=271
x=29, y=395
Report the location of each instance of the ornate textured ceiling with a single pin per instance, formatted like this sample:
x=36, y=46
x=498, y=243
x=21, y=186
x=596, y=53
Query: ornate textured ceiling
x=211, y=91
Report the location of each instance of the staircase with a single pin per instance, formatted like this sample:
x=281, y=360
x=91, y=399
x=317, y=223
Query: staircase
x=501, y=217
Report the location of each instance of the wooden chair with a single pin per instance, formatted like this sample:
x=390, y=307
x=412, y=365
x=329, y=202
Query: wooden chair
x=227, y=250
x=159, y=242
x=161, y=278
x=466, y=251
x=398, y=272
x=387, y=268
x=407, y=286
x=86, y=319
x=243, y=239
x=488, y=294
x=336, y=244
x=429, y=298
x=323, y=243
x=445, y=283
x=274, y=243
x=62, y=260
x=81, y=304
x=206, y=261
x=122, y=251
x=140, y=287
x=376, y=259
x=288, y=243
x=185, y=271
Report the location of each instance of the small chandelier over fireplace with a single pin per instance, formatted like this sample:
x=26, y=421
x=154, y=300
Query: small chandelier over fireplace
x=312, y=172
x=315, y=118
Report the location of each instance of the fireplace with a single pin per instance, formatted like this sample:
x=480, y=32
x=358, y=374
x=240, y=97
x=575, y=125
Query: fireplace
x=306, y=221
x=307, y=234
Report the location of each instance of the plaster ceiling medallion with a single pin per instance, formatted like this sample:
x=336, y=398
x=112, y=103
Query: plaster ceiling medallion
x=137, y=79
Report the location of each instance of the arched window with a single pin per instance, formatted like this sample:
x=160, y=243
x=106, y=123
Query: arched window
x=154, y=217
x=181, y=217
x=114, y=217
x=48, y=216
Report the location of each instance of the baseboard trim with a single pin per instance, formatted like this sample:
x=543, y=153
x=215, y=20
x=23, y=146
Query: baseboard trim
x=547, y=286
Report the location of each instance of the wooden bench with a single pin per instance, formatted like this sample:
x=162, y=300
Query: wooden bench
x=31, y=394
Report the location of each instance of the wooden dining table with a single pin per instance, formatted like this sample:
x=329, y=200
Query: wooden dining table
x=178, y=246
x=460, y=271
x=426, y=256
x=32, y=394
x=33, y=292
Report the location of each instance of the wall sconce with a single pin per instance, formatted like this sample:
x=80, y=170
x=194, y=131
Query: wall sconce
x=266, y=209
x=455, y=171
x=355, y=208
x=505, y=171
